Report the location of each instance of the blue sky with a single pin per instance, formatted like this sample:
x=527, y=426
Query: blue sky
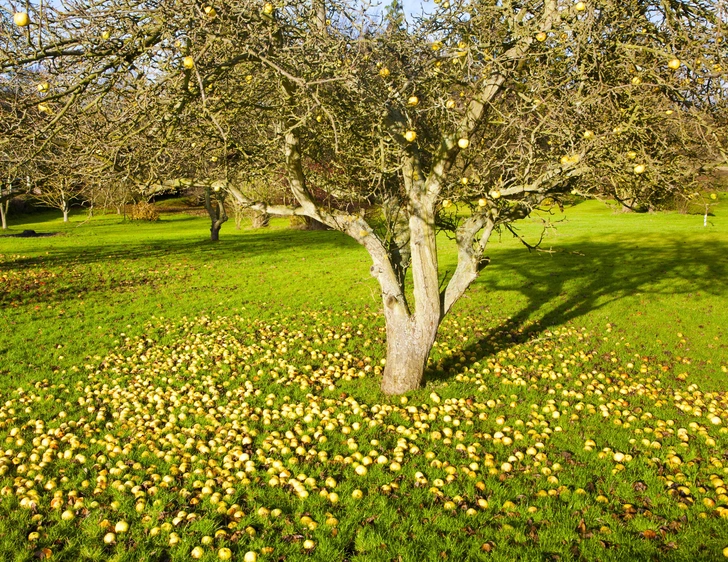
x=415, y=6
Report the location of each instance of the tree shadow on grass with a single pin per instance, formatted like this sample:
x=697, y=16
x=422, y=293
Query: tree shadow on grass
x=109, y=266
x=248, y=245
x=586, y=276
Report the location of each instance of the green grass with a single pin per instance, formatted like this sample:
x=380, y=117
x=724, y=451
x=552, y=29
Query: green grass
x=136, y=345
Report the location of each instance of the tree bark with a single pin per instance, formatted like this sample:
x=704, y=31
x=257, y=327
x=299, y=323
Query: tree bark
x=215, y=231
x=409, y=342
x=4, y=206
x=260, y=219
x=218, y=216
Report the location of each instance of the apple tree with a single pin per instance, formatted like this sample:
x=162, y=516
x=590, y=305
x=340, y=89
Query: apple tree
x=467, y=121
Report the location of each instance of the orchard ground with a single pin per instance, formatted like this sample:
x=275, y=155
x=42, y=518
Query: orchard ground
x=165, y=398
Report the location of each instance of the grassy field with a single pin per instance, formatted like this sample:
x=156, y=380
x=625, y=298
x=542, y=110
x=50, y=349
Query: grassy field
x=165, y=398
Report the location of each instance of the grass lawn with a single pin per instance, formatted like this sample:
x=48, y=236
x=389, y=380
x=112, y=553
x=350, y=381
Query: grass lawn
x=165, y=398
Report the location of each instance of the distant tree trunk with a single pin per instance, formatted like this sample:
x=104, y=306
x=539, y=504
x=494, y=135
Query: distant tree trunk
x=215, y=231
x=65, y=208
x=301, y=222
x=216, y=209
x=260, y=219
x=313, y=224
x=4, y=208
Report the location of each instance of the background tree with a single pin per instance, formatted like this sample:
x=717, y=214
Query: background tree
x=471, y=120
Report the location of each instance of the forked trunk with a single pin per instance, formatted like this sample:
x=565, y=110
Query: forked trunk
x=410, y=334
x=216, y=209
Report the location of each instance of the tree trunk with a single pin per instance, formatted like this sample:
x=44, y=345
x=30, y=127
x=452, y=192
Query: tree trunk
x=215, y=231
x=260, y=219
x=409, y=343
x=314, y=224
x=65, y=214
x=215, y=207
x=4, y=213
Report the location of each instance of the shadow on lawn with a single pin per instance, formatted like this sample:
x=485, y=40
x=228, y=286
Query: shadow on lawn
x=134, y=265
x=587, y=276
x=249, y=245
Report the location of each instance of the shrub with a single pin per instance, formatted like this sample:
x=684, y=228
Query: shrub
x=143, y=212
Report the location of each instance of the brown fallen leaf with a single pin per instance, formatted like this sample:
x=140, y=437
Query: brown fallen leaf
x=639, y=486
x=487, y=547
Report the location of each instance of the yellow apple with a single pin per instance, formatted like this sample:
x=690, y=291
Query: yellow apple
x=224, y=554
x=636, y=81
x=639, y=169
x=197, y=552
x=43, y=87
x=588, y=134
x=495, y=194
x=446, y=203
x=463, y=143
x=210, y=12
x=541, y=36
x=674, y=64
x=109, y=538
x=21, y=19
x=44, y=108
x=713, y=196
x=106, y=36
x=412, y=101
x=188, y=63
x=669, y=112
x=410, y=136
x=580, y=7
x=250, y=556
x=482, y=202
x=268, y=9
x=309, y=544
x=464, y=181
x=384, y=72
x=450, y=104
x=631, y=155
